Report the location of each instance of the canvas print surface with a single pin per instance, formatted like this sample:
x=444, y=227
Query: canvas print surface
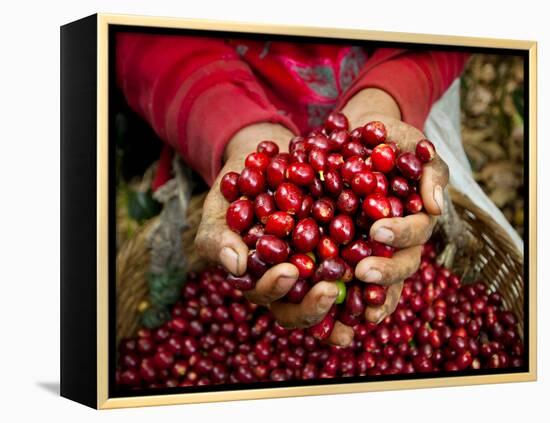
x=301, y=211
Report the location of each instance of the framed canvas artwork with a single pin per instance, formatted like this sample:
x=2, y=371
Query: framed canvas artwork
x=257, y=211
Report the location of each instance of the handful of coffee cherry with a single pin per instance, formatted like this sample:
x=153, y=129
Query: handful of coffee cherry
x=313, y=207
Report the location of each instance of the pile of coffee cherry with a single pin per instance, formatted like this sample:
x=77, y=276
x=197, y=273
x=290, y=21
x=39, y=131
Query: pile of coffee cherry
x=314, y=206
x=215, y=336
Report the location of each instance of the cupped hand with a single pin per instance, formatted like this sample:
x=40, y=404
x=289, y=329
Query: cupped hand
x=406, y=234
x=217, y=243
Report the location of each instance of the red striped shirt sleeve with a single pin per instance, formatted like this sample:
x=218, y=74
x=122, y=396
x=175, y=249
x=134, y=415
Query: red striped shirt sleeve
x=415, y=79
x=195, y=92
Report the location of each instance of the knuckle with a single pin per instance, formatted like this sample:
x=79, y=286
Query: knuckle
x=380, y=315
x=398, y=270
x=276, y=291
x=200, y=243
x=404, y=234
x=429, y=230
x=443, y=169
x=263, y=300
x=200, y=239
x=417, y=259
x=308, y=320
x=256, y=298
x=204, y=239
x=413, y=266
x=392, y=305
x=391, y=271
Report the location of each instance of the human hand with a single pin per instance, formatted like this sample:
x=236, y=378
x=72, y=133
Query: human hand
x=408, y=233
x=216, y=242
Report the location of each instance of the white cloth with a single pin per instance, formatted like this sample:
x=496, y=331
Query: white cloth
x=443, y=129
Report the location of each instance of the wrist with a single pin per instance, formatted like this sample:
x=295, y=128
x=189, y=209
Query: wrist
x=246, y=139
x=368, y=102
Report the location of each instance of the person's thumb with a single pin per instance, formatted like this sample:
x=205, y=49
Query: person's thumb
x=215, y=241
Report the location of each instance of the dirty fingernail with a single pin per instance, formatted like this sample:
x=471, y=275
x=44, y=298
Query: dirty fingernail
x=375, y=315
x=285, y=282
x=384, y=235
x=438, y=197
x=372, y=275
x=382, y=317
x=345, y=339
x=325, y=302
x=229, y=259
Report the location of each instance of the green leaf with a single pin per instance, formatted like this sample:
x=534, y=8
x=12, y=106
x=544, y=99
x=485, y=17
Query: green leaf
x=154, y=317
x=165, y=297
x=165, y=287
x=168, y=278
x=158, y=282
x=142, y=205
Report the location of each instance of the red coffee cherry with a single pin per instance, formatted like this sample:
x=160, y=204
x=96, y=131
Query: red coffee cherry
x=342, y=229
x=323, y=329
x=400, y=186
x=304, y=263
x=323, y=210
x=240, y=215
x=356, y=251
x=414, y=203
x=336, y=121
x=279, y=224
x=258, y=161
x=374, y=133
x=363, y=183
x=276, y=172
x=327, y=248
x=264, y=205
x=305, y=236
x=301, y=174
x=251, y=182
x=269, y=148
x=425, y=151
x=288, y=197
x=376, y=206
x=410, y=166
x=272, y=250
x=374, y=295
x=228, y=186
x=383, y=158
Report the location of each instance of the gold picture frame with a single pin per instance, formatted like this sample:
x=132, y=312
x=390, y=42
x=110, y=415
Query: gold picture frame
x=102, y=398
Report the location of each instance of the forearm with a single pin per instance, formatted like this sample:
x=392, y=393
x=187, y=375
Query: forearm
x=195, y=102
x=415, y=80
x=360, y=108
x=247, y=138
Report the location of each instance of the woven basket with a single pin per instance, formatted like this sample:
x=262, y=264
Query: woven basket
x=493, y=257
x=481, y=250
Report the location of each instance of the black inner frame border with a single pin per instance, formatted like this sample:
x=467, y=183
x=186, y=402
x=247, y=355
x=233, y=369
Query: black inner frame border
x=114, y=392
